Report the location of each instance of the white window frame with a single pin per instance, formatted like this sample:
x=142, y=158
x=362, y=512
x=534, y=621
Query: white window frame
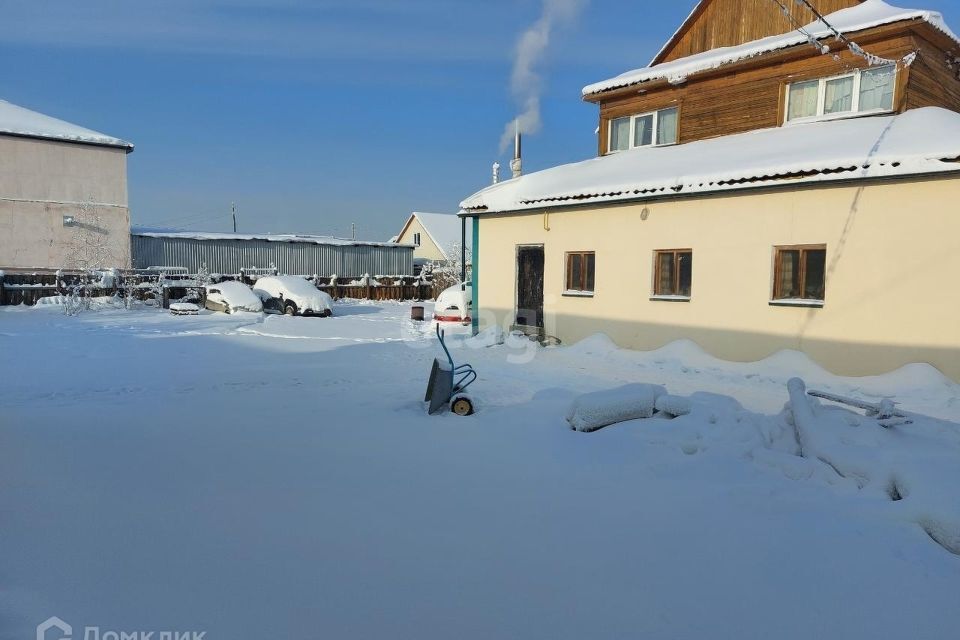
x=855, y=105
x=633, y=130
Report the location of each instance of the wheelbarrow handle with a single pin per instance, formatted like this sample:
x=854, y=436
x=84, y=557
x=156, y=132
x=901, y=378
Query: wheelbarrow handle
x=441, y=334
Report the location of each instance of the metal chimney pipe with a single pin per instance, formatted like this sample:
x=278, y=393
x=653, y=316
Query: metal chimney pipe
x=516, y=165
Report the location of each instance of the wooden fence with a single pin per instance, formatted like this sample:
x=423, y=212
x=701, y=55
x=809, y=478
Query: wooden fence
x=28, y=287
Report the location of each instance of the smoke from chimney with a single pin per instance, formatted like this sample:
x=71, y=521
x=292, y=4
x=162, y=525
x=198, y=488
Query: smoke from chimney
x=525, y=81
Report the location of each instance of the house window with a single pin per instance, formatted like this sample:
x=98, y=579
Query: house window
x=416, y=239
x=863, y=91
x=799, y=273
x=581, y=266
x=645, y=130
x=672, y=274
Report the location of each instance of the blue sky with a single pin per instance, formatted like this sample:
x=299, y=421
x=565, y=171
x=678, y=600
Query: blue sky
x=312, y=115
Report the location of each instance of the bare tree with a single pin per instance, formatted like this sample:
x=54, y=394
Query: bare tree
x=89, y=248
x=448, y=273
x=88, y=251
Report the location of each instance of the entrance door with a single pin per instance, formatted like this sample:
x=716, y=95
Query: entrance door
x=530, y=287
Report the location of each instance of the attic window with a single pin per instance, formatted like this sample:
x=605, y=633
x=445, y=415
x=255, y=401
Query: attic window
x=644, y=130
x=416, y=239
x=864, y=91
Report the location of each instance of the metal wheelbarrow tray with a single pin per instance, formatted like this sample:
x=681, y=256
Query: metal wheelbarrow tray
x=448, y=382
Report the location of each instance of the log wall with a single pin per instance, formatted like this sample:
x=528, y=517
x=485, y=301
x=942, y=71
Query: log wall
x=750, y=95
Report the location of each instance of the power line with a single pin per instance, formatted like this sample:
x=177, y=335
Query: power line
x=193, y=219
x=854, y=48
x=813, y=40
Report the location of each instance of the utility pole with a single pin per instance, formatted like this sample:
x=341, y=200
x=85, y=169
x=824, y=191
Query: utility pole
x=353, y=230
x=233, y=209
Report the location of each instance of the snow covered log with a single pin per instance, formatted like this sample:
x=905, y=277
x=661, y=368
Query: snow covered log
x=593, y=411
x=916, y=469
x=674, y=406
x=803, y=418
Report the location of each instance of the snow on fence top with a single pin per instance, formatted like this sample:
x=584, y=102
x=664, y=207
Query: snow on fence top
x=915, y=142
x=869, y=14
x=269, y=237
x=18, y=121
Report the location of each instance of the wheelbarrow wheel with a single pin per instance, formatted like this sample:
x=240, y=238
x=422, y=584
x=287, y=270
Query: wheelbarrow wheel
x=462, y=406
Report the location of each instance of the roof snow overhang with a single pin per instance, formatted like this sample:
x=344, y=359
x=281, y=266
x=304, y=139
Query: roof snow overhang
x=21, y=122
x=871, y=14
x=687, y=24
x=919, y=142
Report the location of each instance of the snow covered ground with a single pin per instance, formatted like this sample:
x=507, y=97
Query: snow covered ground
x=278, y=478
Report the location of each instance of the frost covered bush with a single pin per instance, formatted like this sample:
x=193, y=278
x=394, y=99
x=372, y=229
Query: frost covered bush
x=448, y=274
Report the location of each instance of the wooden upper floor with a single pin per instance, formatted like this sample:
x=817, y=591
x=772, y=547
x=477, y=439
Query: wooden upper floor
x=780, y=87
x=727, y=23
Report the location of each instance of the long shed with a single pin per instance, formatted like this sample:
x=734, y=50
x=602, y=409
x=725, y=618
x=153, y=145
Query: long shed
x=290, y=254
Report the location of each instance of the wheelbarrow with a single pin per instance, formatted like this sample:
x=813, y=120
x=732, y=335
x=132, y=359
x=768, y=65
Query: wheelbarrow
x=448, y=383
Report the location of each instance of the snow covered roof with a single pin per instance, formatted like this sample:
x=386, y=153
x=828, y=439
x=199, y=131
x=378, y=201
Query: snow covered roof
x=18, y=121
x=269, y=237
x=920, y=141
x=869, y=14
x=443, y=228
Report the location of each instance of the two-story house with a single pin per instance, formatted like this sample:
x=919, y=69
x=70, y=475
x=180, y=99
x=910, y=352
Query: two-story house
x=783, y=175
x=63, y=194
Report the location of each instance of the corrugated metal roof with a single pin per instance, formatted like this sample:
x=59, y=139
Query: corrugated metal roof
x=268, y=237
x=233, y=254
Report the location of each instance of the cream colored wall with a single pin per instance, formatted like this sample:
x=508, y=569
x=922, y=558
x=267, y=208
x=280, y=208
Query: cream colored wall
x=893, y=258
x=41, y=181
x=427, y=250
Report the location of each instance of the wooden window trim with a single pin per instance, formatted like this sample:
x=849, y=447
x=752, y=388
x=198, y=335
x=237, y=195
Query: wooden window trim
x=670, y=297
x=582, y=291
x=775, y=299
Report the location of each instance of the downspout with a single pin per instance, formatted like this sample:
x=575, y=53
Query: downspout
x=463, y=268
x=463, y=254
x=475, y=278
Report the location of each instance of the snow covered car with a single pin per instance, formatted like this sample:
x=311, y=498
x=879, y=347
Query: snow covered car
x=295, y=296
x=230, y=297
x=454, y=304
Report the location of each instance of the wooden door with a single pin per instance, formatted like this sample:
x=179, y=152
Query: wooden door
x=530, y=287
